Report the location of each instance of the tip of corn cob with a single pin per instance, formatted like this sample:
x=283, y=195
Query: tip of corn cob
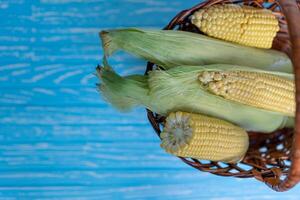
x=201, y=137
x=177, y=132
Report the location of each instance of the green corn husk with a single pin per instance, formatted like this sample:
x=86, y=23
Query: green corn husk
x=178, y=89
x=124, y=93
x=176, y=48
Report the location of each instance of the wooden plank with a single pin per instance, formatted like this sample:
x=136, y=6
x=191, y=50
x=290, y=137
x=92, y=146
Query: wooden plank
x=71, y=73
x=149, y=191
x=76, y=133
x=170, y=191
x=52, y=115
x=51, y=96
x=90, y=155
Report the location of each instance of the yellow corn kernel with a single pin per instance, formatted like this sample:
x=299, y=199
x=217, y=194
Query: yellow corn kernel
x=201, y=137
x=261, y=90
x=241, y=24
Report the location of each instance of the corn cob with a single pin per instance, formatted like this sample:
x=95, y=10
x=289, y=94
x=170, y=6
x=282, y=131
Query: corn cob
x=201, y=137
x=240, y=24
x=169, y=49
x=179, y=88
x=262, y=90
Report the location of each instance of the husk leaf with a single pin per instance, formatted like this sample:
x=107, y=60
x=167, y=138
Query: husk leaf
x=177, y=89
x=169, y=48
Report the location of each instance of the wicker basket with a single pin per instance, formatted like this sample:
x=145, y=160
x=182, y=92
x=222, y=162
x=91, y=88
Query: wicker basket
x=272, y=158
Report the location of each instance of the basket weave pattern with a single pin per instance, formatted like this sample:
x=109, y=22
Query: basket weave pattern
x=271, y=158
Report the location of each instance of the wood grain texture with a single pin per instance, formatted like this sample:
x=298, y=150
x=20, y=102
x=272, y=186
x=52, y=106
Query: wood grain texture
x=58, y=139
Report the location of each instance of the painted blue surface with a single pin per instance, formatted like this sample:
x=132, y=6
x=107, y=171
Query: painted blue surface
x=58, y=139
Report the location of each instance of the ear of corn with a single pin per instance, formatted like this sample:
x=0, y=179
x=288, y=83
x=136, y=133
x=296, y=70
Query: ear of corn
x=240, y=24
x=262, y=90
x=180, y=89
x=177, y=48
x=201, y=137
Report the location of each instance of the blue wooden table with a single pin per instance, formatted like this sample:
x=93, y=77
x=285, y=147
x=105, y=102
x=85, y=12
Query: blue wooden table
x=58, y=139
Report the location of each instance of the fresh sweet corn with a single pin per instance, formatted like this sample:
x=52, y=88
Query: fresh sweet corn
x=240, y=24
x=179, y=88
x=168, y=49
x=201, y=137
x=261, y=90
